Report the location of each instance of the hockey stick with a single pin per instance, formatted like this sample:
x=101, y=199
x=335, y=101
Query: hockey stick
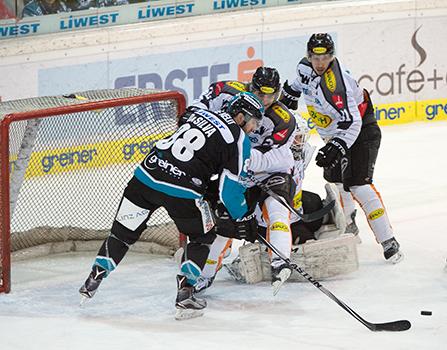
x=394, y=326
x=304, y=217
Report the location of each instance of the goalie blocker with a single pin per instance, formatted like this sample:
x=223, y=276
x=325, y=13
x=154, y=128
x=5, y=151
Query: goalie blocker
x=323, y=253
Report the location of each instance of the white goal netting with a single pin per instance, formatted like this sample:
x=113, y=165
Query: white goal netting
x=69, y=158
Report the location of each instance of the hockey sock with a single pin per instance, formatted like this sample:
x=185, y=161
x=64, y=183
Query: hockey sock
x=347, y=202
x=371, y=203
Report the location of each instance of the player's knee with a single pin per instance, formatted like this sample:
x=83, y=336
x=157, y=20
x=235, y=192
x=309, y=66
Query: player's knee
x=207, y=238
x=125, y=234
x=364, y=192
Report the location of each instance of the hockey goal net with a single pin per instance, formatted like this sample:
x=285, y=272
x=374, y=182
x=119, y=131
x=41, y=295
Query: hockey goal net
x=65, y=161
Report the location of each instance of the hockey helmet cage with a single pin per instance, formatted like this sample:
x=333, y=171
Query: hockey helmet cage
x=301, y=137
x=320, y=44
x=265, y=80
x=248, y=104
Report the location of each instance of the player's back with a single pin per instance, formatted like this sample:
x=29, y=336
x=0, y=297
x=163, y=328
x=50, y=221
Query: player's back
x=181, y=165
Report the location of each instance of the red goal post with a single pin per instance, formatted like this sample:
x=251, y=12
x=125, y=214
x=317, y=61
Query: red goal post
x=64, y=162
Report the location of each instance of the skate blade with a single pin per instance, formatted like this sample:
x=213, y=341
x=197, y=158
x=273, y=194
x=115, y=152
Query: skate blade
x=396, y=258
x=284, y=276
x=186, y=314
x=84, y=300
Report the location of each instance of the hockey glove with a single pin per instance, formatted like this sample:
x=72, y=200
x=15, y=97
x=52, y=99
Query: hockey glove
x=289, y=96
x=245, y=228
x=330, y=154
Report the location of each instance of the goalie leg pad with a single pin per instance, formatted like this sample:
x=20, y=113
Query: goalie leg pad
x=326, y=258
x=321, y=259
x=250, y=262
x=337, y=214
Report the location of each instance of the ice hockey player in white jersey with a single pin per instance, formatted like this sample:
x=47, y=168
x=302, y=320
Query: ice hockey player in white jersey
x=271, y=161
x=320, y=246
x=344, y=117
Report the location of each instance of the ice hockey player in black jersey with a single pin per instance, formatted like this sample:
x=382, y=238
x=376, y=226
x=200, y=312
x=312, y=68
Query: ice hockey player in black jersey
x=344, y=117
x=271, y=161
x=175, y=175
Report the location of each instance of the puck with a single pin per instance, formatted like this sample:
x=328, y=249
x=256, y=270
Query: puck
x=426, y=313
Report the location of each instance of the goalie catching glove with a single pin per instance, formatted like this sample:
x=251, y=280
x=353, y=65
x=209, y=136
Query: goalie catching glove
x=330, y=154
x=244, y=228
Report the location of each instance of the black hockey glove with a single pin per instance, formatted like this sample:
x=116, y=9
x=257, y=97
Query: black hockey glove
x=186, y=114
x=330, y=154
x=245, y=228
x=289, y=96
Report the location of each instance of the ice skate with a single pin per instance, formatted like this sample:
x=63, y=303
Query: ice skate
x=202, y=284
x=92, y=283
x=391, y=251
x=280, y=274
x=187, y=305
x=352, y=228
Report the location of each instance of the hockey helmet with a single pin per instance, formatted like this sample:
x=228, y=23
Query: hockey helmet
x=320, y=44
x=248, y=104
x=265, y=80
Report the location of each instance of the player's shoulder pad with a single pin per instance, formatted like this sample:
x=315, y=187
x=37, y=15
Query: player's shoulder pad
x=333, y=85
x=234, y=87
x=281, y=116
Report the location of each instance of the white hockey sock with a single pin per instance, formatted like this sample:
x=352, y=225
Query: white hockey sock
x=347, y=202
x=278, y=226
x=215, y=256
x=371, y=203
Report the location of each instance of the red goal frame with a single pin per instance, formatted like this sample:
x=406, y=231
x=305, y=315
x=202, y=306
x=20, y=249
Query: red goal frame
x=5, y=284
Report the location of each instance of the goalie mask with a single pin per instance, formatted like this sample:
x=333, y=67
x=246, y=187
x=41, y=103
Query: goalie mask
x=301, y=137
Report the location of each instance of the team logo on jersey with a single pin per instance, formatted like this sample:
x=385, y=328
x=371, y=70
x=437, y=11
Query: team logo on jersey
x=329, y=78
x=321, y=120
x=280, y=135
x=297, y=200
x=280, y=112
x=305, y=79
x=338, y=101
x=237, y=85
x=279, y=226
x=376, y=214
x=151, y=162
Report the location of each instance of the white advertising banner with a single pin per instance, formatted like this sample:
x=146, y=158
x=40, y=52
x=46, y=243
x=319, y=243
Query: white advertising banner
x=392, y=50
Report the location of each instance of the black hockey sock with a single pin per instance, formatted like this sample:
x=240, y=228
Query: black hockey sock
x=114, y=248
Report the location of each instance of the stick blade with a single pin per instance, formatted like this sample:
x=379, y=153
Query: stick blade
x=396, y=326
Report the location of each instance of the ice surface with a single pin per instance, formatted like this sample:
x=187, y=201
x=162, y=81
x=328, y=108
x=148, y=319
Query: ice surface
x=134, y=307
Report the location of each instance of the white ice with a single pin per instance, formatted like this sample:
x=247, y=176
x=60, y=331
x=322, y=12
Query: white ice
x=134, y=307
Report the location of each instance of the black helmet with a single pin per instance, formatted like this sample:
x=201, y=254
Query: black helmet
x=320, y=44
x=265, y=80
x=248, y=104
